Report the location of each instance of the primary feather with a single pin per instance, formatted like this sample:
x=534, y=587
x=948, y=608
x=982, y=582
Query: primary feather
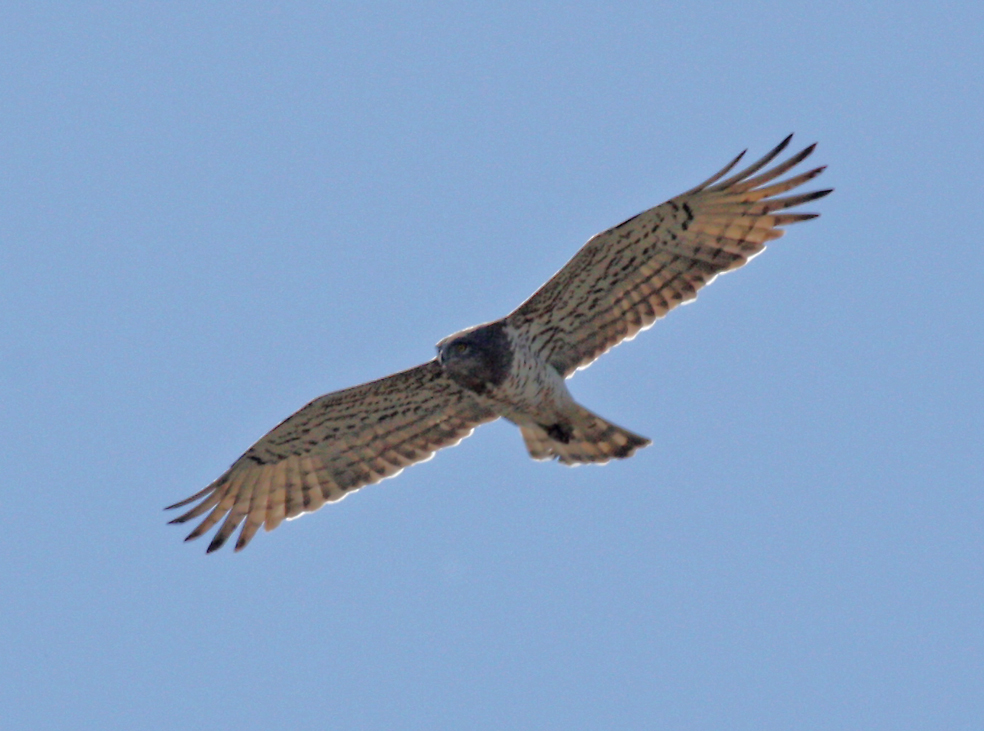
x=627, y=277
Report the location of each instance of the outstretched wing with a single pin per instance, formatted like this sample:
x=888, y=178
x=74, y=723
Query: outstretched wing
x=626, y=278
x=335, y=445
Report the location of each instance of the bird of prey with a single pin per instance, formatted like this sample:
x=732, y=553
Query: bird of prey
x=619, y=283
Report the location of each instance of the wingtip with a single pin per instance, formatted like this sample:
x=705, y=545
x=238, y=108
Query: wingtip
x=201, y=493
x=775, y=151
x=821, y=193
x=730, y=165
x=215, y=545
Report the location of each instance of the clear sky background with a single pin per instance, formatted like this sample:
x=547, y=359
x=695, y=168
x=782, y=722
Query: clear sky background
x=212, y=213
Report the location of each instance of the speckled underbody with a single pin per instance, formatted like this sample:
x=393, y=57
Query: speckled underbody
x=498, y=363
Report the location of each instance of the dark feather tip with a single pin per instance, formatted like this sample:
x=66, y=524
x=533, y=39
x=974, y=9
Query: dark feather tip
x=216, y=544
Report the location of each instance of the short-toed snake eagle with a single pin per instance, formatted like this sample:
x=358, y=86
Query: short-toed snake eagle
x=619, y=283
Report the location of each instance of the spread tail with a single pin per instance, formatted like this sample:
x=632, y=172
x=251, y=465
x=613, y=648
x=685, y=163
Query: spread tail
x=581, y=438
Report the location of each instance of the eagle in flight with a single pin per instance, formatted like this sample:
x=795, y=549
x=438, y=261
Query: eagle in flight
x=619, y=283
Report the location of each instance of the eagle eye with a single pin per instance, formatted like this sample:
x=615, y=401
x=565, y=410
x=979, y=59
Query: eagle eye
x=460, y=348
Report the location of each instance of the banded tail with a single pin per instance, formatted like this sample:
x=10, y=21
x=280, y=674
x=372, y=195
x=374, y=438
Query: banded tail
x=583, y=437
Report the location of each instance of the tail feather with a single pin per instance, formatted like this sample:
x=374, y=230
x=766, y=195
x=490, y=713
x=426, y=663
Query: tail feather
x=583, y=438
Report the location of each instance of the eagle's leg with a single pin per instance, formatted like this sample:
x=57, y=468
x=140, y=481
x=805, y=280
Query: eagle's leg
x=560, y=432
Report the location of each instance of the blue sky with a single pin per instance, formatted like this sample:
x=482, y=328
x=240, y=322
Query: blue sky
x=210, y=214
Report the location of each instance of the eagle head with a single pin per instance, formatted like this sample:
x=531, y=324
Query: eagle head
x=477, y=358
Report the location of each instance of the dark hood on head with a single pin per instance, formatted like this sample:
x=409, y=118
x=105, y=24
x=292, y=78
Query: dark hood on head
x=485, y=363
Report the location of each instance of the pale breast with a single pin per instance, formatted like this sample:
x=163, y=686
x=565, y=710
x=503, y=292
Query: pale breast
x=534, y=392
